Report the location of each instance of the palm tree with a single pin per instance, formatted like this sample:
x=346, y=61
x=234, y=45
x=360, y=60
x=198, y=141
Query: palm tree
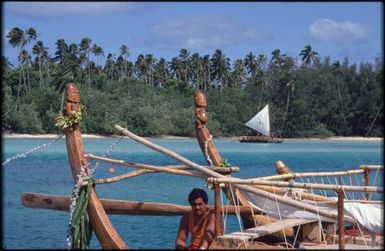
x=149, y=65
x=291, y=86
x=251, y=65
x=262, y=81
x=61, y=50
x=97, y=51
x=206, y=72
x=161, y=74
x=110, y=66
x=125, y=53
x=337, y=71
x=238, y=74
x=277, y=58
x=261, y=61
x=196, y=70
x=176, y=68
x=41, y=52
x=184, y=58
x=25, y=60
x=19, y=38
x=141, y=68
x=308, y=55
x=220, y=68
x=85, y=48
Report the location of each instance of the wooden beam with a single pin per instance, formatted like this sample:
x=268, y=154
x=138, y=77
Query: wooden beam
x=119, y=207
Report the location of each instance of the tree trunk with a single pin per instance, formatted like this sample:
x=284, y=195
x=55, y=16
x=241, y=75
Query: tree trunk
x=375, y=118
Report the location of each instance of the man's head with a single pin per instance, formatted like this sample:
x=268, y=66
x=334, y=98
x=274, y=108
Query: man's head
x=198, y=199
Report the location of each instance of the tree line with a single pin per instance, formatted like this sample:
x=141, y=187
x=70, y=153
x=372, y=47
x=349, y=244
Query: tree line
x=318, y=97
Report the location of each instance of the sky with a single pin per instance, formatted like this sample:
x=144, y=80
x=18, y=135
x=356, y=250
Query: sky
x=335, y=29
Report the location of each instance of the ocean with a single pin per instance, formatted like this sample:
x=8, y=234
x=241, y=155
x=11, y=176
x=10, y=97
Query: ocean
x=47, y=171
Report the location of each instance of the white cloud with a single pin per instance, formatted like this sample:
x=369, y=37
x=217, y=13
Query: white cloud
x=328, y=30
x=49, y=9
x=199, y=32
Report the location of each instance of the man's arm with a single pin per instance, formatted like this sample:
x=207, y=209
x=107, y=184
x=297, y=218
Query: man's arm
x=209, y=233
x=180, y=242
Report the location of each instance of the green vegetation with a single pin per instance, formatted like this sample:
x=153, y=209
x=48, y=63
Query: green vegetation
x=152, y=97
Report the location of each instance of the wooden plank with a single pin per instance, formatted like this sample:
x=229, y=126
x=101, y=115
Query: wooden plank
x=260, y=231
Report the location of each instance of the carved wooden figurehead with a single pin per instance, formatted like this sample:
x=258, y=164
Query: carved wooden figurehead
x=203, y=134
x=104, y=230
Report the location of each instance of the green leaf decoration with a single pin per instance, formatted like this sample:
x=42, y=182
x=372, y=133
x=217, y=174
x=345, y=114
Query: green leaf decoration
x=81, y=229
x=224, y=163
x=71, y=120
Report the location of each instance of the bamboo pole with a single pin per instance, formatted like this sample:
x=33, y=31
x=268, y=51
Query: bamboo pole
x=172, y=170
x=131, y=164
x=368, y=189
x=311, y=174
x=278, y=198
x=119, y=207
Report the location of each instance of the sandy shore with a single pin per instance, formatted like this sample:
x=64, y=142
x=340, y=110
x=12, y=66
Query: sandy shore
x=94, y=136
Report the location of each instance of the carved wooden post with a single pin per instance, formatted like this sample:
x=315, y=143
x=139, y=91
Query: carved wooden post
x=341, y=227
x=104, y=230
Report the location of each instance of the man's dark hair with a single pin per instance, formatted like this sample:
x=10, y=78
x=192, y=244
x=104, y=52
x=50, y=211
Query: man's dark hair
x=197, y=193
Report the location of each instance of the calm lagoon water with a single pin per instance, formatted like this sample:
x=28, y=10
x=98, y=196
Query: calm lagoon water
x=47, y=171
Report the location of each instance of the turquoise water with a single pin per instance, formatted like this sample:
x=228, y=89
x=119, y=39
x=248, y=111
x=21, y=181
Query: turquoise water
x=47, y=171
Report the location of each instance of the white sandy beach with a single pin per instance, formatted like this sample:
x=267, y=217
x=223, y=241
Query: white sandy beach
x=94, y=136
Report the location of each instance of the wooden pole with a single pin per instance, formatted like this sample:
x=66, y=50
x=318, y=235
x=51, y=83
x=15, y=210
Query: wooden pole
x=217, y=207
x=278, y=198
x=120, y=207
x=341, y=227
x=367, y=181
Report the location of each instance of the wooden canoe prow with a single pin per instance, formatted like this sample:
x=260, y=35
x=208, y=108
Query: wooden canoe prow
x=203, y=135
x=104, y=230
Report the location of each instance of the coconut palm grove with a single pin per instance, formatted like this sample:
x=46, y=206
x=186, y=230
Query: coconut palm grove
x=312, y=96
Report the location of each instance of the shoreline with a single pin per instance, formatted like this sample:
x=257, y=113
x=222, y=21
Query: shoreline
x=95, y=136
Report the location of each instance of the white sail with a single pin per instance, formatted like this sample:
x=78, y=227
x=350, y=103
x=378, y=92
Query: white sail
x=261, y=121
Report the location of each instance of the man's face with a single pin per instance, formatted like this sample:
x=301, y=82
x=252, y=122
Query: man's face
x=198, y=207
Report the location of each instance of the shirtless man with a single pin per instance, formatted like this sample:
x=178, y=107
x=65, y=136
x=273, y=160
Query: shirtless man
x=200, y=222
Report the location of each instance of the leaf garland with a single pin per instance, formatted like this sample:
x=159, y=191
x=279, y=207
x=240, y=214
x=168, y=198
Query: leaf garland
x=72, y=119
x=80, y=224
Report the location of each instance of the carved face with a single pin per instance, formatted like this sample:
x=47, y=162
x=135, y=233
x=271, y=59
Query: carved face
x=201, y=114
x=200, y=99
x=72, y=92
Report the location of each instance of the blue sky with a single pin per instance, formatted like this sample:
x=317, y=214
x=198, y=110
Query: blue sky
x=335, y=29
